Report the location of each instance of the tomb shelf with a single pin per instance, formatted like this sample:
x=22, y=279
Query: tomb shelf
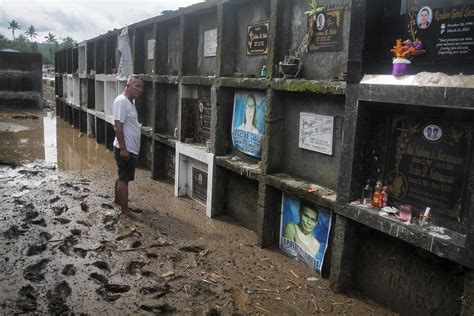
x=376, y=88
x=241, y=167
x=147, y=131
x=244, y=83
x=322, y=196
x=440, y=241
x=312, y=86
x=100, y=115
x=198, y=80
x=166, y=79
x=166, y=139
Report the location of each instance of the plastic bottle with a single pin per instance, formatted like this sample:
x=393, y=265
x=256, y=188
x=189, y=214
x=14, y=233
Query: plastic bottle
x=377, y=196
x=367, y=194
x=263, y=72
x=384, y=198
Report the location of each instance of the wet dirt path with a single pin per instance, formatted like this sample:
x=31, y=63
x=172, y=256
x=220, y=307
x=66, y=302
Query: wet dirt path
x=65, y=248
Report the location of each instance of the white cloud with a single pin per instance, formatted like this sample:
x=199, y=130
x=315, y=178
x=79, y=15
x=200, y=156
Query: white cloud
x=80, y=19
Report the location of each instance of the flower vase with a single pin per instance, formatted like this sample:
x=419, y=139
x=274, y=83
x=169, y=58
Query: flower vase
x=399, y=66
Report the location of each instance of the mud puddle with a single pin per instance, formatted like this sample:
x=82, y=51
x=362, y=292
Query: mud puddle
x=65, y=248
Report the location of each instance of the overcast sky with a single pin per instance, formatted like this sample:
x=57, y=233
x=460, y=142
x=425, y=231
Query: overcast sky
x=80, y=19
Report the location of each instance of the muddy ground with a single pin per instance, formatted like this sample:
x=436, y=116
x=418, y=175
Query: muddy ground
x=65, y=248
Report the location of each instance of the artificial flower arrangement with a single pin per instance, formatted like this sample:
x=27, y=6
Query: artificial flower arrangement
x=407, y=49
x=403, y=52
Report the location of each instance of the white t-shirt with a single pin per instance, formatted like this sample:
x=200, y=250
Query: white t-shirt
x=126, y=112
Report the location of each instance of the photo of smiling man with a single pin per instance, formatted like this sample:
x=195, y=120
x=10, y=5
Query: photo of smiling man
x=304, y=231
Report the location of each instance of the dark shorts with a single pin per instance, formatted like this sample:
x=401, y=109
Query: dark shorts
x=126, y=168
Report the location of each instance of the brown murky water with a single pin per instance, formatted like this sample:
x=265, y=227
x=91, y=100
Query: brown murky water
x=64, y=248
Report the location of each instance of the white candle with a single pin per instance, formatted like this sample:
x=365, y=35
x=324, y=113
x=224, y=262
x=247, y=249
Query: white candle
x=425, y=216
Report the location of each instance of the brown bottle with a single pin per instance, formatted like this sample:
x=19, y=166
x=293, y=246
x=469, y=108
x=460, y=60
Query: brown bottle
x=377, y=196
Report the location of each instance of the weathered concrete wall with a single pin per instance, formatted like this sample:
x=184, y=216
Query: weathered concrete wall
x=145, y=104
x=248, y=13
x=306, y=164
x=243, y=209
x=20, y=79
x=319, y=65
x=206, y=66
x=407, y=279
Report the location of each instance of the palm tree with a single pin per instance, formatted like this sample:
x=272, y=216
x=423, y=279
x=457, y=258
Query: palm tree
x=31, y=32
x=13, y=25
x=51, y=39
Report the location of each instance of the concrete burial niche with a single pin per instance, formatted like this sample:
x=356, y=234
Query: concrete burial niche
x=74, y=60
x=195, y=115
x=20, y=79
x=100, y=56
x=200, y=43
x=90, y=93
x=82, y=59
x=168, y=46
x=327, y=48
x=446, y=46
x=194, y=162
x=312, y=142
x=241, y=18
x=166, y=112
x=70, y=89
x=91, y=60
x=99, y=95
x=194, y=173
x=83, y=92
x=144, y=49
x=111, y=53
x=407, y=279
x=145, y=105
x=76, y=91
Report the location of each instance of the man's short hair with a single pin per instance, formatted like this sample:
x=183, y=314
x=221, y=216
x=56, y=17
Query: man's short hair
x=311, y=206
x=133, y=77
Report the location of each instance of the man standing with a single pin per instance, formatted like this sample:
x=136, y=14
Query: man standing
x=127, y=140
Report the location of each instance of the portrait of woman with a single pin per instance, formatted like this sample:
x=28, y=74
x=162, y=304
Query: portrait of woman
x=250, y=118
x=424, y=17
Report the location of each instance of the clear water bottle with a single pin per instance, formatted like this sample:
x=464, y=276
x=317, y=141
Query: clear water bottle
x=367, y=194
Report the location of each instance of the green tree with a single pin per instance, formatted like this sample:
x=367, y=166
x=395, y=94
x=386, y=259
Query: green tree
x=31, y=32
x=34, y=47
x=13, y=25
x=4, y=42
x=68, y=42
x=52, y=43
x=21, y=43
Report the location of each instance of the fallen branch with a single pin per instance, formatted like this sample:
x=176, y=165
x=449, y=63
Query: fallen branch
x=263, y=309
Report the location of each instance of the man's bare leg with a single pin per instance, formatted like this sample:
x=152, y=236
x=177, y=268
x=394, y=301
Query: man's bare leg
x=122, y=190
x=116, y=199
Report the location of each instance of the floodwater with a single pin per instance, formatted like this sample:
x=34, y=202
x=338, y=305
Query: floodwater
x=66, y=249
x=39, y=135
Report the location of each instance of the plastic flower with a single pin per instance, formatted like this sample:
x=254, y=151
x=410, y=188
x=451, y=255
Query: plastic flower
x=407, y=49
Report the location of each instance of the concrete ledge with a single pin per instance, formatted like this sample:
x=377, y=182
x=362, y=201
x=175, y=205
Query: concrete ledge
x=146, y=131
x=286, y=183
x=439, y=241
x=196, y=80
x=168, y=140
x=244, y=83
x=245, y=169
x=166, y=79
x=312, y=86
